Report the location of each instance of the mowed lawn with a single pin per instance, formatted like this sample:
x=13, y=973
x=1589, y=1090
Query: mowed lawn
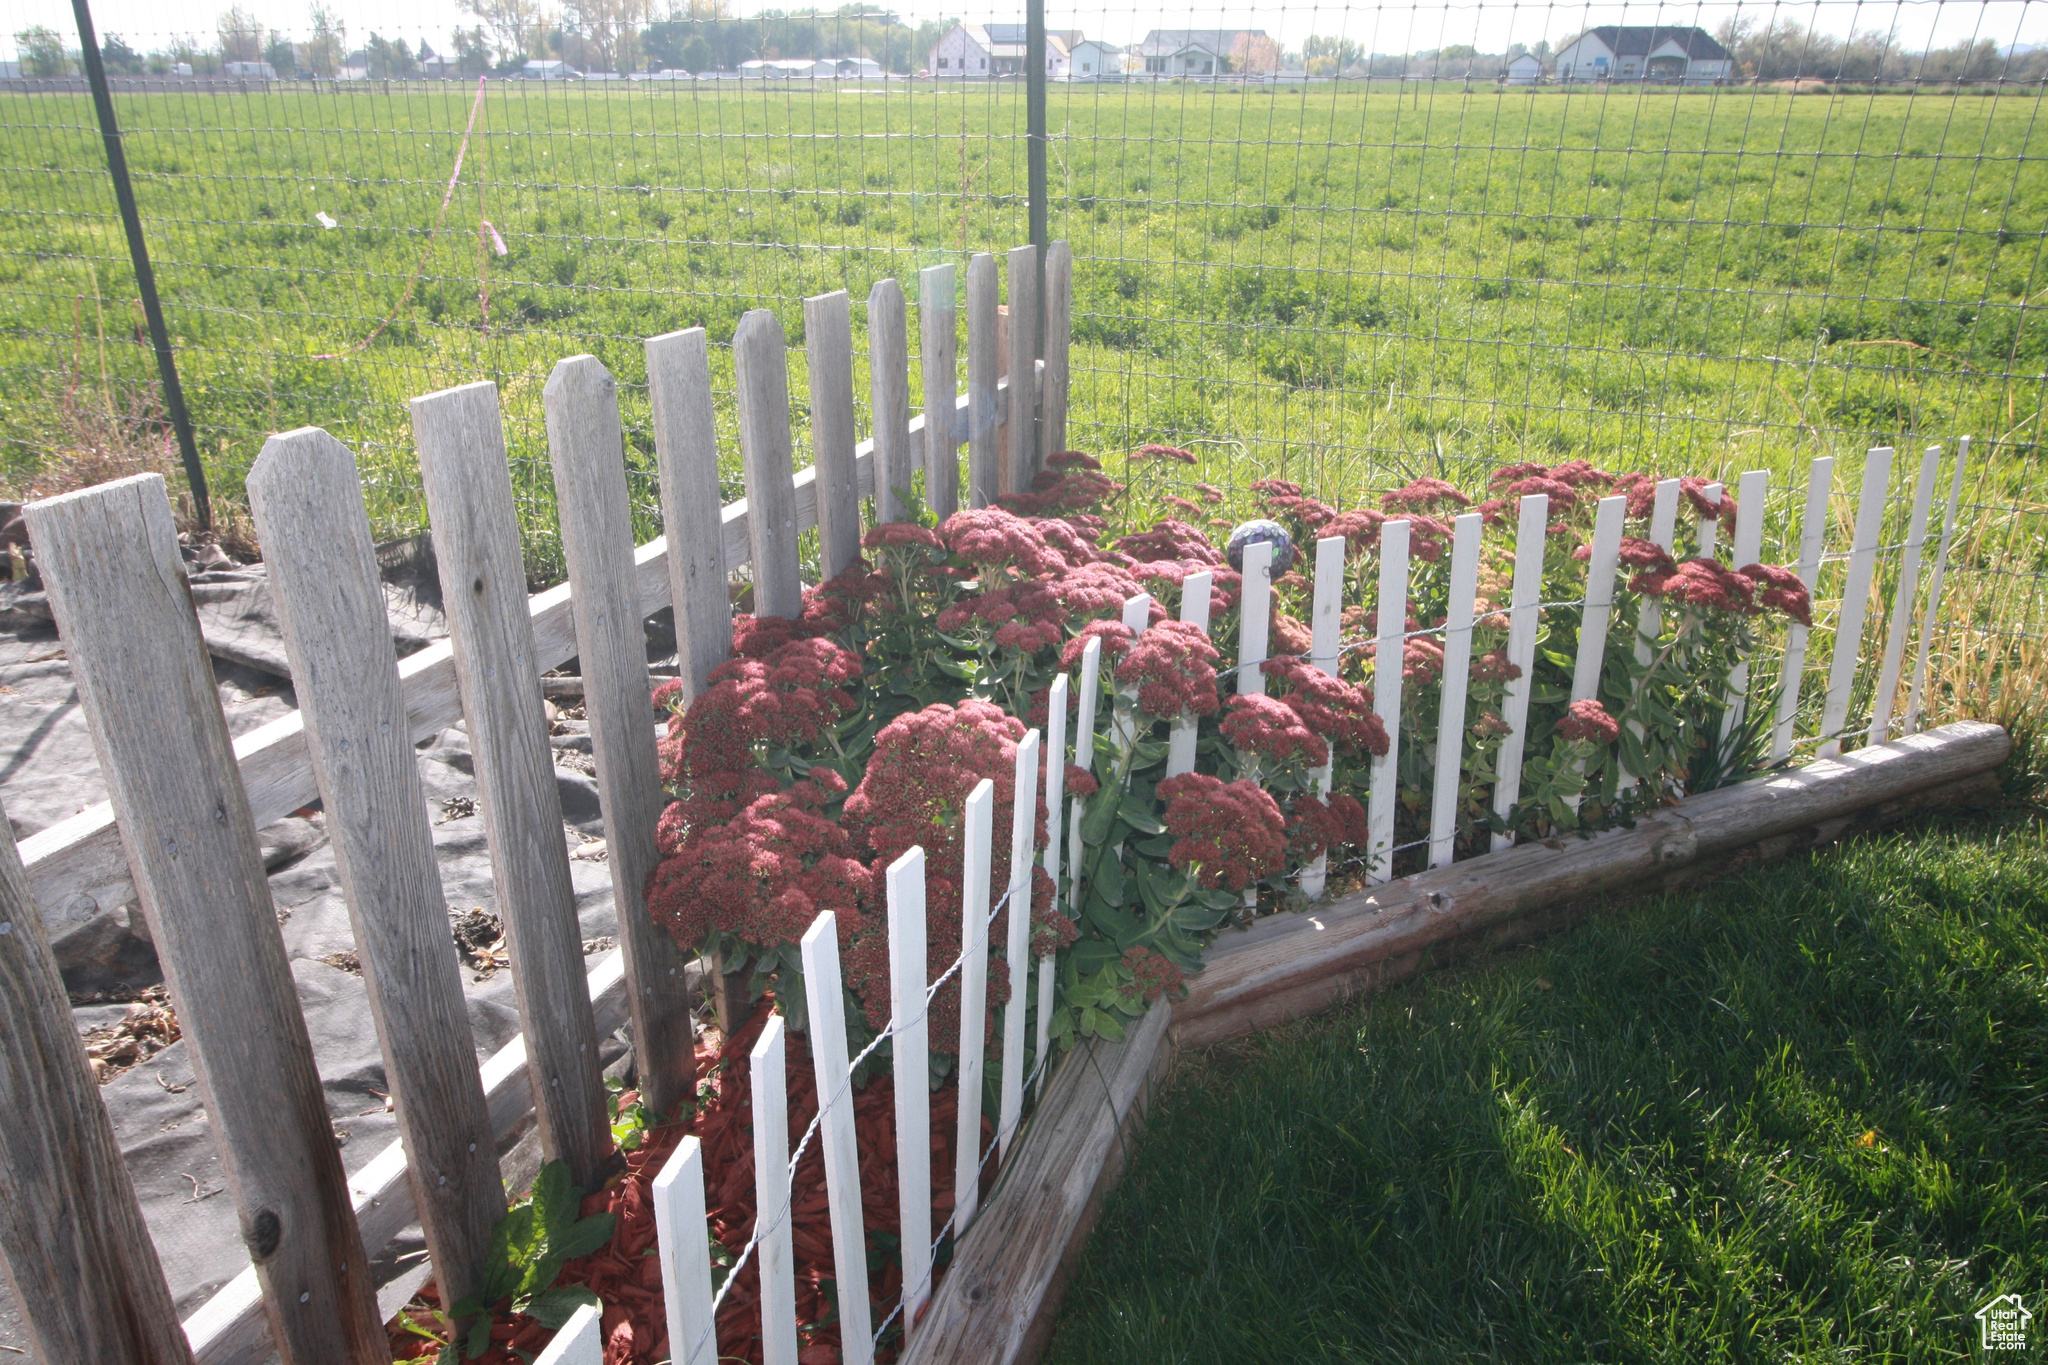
x=1309, y=281
x=1799, y=1115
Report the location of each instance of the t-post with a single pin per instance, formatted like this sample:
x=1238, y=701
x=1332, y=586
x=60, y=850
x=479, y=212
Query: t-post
x=138, y=254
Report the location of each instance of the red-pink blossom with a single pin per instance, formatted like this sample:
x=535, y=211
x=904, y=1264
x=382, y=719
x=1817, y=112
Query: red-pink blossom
x=1231, y=833
x=1270, y=728
x=1782, y=590
x=1424, y=493
x=1587, y=722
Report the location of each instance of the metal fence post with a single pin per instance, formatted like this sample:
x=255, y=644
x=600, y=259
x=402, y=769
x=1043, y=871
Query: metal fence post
x=138, y=255
x=1035, y=136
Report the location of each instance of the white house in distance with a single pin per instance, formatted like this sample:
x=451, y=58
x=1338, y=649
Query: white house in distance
x=1632, y=52
x=1204, y=51
x=1091, y=59
x=981, y=51
x=1526, y=69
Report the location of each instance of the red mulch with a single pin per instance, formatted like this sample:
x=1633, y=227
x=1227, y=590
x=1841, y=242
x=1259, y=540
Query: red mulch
x=626, y=1275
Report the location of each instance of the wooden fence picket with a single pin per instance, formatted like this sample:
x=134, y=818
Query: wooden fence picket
x=825, y=997
x=977, y=866
x=1195, y=593
x=1903, y=598
x=1017, y=941
x=1916, y=694
x=1389, y=657
x=1021, y=454
x=1084, y=759
x=1813, y=529
x=1650, y=614
x=324, y=587
x=1059, y=331
x=889, y=398
x=85, y=1272
x=681, y=1237
x=476, y=541
x=774, y=1253
x=1855, y=608
x=109, y=559
x=686, y=456
x=1710, y=527
x=828, y=348
x=1255, y=617
x=1751, y=494
x=579, y=1342
x=984, y=460
x=1055, y=830
x=938, y=327
x=910, y=1047
x=1598, y=611
x=760, y=363
x=1524, y=616
x=1326, y=628
x=1450, y=732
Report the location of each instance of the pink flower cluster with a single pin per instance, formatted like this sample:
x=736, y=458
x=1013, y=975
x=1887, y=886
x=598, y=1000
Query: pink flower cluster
x=1328, y=706
x=1173, y=667
x=1151, y=977
x=1587, y=722
x=1231, y=833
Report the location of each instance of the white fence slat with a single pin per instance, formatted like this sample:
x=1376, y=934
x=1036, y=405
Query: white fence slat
x=1137, y=615
x=1059, y=329
x=773, y=1253
x=826, y=998
x=682, y=1237
x=109, y=557
x=889, y=397
x=1917, y=694
x=1055, y=831
x=587, y=452
x=1813, y=529
x=1084, y=759
x=1524, y=616
x=1326, y=628
x=581, y=1340
x=308, y=505
x=1903, y=597
x=1017, y=949
x=1650, y=614
x=828, y=351
x=1751, y=494
x=1599, y=604
x=984, y=477
x=1195, y=594
x=1255, y=618
x=911, y=1050
x=468, y=484
x=1388, y=660
x=760, y=364
x=686, y=455
x=976, y=869
x=1022, y=454
x=1450, y=727
x=1710, y=527
x=1138, y=612
x=1848, y=642
x=938, y=327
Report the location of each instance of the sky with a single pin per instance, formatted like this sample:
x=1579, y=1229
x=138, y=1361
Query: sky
x=1394, y=27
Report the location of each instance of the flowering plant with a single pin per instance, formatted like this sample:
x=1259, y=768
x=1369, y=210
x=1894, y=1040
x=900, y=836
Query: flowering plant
x=834, y=741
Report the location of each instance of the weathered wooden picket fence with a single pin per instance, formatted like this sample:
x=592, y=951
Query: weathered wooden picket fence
x=186, y=803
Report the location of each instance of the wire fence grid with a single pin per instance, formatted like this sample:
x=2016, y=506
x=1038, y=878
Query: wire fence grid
x=1367, y=243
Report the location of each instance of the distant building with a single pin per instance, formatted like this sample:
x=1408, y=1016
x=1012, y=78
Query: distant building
x=549, y=71
x=354, y=67
x=249, y=71
x=10, y=71
x=856, y=68
x=1207, y=52
x=1633, y=52
x=435, y=67
x=1091, y=59
x=788, y=68
x=979, y=51
x=1526, y=69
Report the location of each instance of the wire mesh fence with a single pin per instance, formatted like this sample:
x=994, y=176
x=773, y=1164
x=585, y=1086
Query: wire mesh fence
x=1329, y=243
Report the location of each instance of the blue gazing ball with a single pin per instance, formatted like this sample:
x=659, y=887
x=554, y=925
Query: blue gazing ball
x=1271, y=532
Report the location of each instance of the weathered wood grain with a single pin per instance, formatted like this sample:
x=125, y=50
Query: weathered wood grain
x=889, y=397
x=760, y=361
x=476, y=540
x=1020, y=452
x=109, y=556
x=308, y=505
x=72, y=1239
x=1005, y=1268
x=984, y=460
x=686, y=455
x=938, y=330
x=828, y=347
x=1288, y=965
x=587, y=449
x=1059, y=331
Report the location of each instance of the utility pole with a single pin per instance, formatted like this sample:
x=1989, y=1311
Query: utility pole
x=138, y=255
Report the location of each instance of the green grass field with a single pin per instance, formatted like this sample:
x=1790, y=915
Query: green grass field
x=1313, y=281
x=1795, y=1116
